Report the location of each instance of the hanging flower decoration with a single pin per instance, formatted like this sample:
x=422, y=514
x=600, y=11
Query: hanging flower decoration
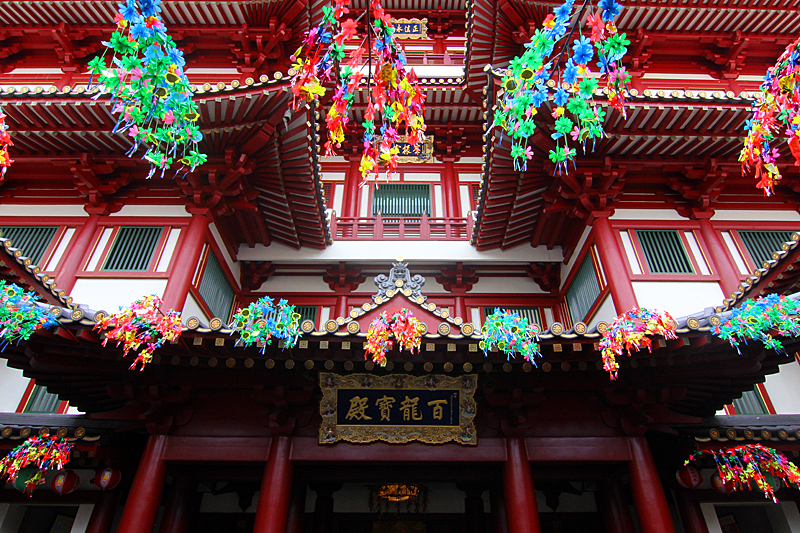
x=394, y=100
x=405, y=327
x=262, y=320
x=756, y=319
x=511, y=334
x=42, y=453
x=751, y=463
x=141, y=326
x=20, y=314
x=630, y=331
x=526, y=83
x=5, y=142
x=149, y=89
x=775, y=114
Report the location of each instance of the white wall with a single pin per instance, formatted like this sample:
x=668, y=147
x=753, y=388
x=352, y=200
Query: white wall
x=12, y=387
x=110, y=294
x=192, y=308
x=783, y=390
x=679, y=298
x=280, y=284
x=605, y=313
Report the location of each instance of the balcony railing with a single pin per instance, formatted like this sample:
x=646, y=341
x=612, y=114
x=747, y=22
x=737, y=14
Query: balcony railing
x=398, y=228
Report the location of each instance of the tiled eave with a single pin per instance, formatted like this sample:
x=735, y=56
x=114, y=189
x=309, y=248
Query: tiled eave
x=18, y=269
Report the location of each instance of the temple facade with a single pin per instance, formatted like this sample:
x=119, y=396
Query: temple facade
x=456, y=437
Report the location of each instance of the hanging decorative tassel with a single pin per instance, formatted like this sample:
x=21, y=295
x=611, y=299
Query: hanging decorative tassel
x=259, y=322
x=402, y=325
x=20, y=314
x=511, y=334
x=5, y=143
x=631, y=331
x=756, y=319
x=141, y=326
x=41, y=454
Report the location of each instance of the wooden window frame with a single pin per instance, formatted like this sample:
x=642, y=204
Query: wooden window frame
x=194, y=289
x=762, y=391
x=588, y=249
x=49, y=251
x=742, y=248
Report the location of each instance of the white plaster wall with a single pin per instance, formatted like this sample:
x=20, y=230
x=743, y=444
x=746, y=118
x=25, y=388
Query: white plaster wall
x=782, y=389
x=521, y=286
x=110, y=294
x=280, y=284
x=605, y=313
x=43, y=210
x=234, y=266
x=777, y=216
x=59, y=251
x=679, y=298
x=152, y=211
x=646, y=214
x=12, y=387
x=169, y=250
x=192, y=308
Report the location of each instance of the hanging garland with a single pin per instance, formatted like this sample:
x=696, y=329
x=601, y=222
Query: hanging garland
x=527, y=78
x=755, y=319
x=262, y=320
x=775, y=114
x=405, y=327
x=41, y=454
x=394, y=103
x=751, y=463
x=20, y=315
x=143, y=326
x=511, y=334
x=5, y=142
x=631, y=331
x=149, y=88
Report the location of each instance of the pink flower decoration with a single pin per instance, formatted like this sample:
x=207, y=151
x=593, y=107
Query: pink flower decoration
x=133, y=131
x=169, y=118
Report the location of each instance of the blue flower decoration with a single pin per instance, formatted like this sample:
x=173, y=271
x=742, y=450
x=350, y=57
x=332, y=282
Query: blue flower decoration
x=571, y=72
x=610, y=9
x=583, y=52
x=561, y=97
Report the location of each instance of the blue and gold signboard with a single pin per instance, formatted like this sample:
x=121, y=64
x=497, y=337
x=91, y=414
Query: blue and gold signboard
x=422, y=152
x=410, y=28
x=397, y=408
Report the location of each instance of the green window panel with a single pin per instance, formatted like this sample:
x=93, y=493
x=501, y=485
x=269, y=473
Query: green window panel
x=583, y=291
x=215, y=290
x=751, y=403
x=664, y=252
x=306, y=312
x=531, y=313
x=762, y=244
x=402, y=200
x=32, y=240
x=42, y=401
x=133, y=248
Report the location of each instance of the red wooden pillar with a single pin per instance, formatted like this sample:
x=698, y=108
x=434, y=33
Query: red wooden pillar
x=297, y=509
x=144, y=498
x=103, y=512
x=276, y=488
x=499, y=519
x=614, y=264
x=185, y=259
x=648, y=494
x=729, y=279
x=72, y=262
x=460, y=308
x=616, y=513
x=450, y=189
x=178, y=507
x=521, y=511
x=341, y=308
x=691, y=514
x=351, y=182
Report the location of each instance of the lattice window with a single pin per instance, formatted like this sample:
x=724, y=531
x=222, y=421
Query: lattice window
x=41, y=401
x=215, y=289
x=133, y=248
x=476, y=194
x=751, y=403
x=583, y=291
x=327, y=191
x=762, y=244
x=664, y=252
x=32, y=240
x=531, y=313
x=402, y=200
x=307, y=312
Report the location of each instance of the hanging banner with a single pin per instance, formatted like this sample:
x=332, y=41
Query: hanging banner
x=410, y=28
x=397, y=408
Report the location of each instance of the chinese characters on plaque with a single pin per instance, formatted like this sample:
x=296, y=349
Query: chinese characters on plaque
x=410, y=28
x=397, y=408
x=422, y=152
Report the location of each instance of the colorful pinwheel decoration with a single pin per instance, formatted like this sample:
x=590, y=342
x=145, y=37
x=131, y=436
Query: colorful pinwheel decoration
x=529, y=77
x=5, y=142
x=20, y=314
x=775, y=115
x=42, y=453
x=751, y=463
x=259, y=322
x=395, y=103
x=756, y=319
x=512, y=334
x=631, y=331
x=402, y=325
x=149, y=89
x=141, y=326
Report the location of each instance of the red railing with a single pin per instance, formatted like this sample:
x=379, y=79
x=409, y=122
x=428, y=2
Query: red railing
x=395, y=228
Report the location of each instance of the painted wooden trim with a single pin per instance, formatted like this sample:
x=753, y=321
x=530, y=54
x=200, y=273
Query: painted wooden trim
x=762, y=390
x=696, y=276
x=62, y=407
x=26, y=396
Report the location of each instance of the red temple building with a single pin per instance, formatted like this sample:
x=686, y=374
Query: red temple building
x=216, y=437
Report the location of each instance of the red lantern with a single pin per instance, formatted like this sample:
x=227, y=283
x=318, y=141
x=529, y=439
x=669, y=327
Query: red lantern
x=65, y=482
x=688, y=477
x=720, y=485
x=107, y=478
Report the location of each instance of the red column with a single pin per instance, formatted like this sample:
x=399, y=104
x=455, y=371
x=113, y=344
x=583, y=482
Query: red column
x=73, y=260
x=648, y=494
x=351, y=181
x=691, y=514
x=103, y=512
x=178, y=507
x=144, y=498
x=614, y=264
x=276, y=487
x=460, y=308
x=616, y=513
x=341, y=308
x=450, y=193
x=184, y=261
x=297, y=509
x=499, y=520
x=729, y=279
x=521, y=511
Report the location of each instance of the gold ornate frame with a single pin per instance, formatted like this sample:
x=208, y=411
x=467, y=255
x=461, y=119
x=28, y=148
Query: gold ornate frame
x=330, y=432
x=423, y=25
